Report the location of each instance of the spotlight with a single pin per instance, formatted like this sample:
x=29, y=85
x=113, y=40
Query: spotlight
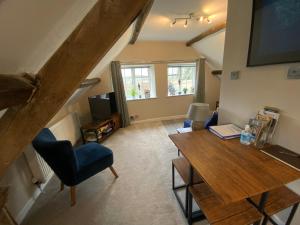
x=201, y=19
x=186, y=24
x=173, y=23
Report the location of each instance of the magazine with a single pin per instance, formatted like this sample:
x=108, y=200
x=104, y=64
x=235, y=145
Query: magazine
x=263, y=126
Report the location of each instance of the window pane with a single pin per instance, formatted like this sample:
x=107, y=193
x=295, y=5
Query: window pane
x=175, y=70
x=145, y=72
x=127, y=72
x=181, y=79
x=138, y=71
x=137, y=81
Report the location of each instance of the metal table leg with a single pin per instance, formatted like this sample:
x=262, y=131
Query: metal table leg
x=261, y=205
x=190, y=197
x=197, y=215
x=175, y=189
x=291, y=216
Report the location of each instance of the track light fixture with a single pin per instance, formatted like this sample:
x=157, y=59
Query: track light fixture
x=173, y=23
x=191, y=16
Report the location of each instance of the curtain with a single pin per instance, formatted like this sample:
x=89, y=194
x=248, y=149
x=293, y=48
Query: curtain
x=118, y=85
x=200, y=81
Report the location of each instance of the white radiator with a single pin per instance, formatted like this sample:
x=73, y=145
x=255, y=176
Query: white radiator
x=65, y=129
x=40, y=170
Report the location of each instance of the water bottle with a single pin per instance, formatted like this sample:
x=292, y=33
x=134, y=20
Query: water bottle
x=246, y=136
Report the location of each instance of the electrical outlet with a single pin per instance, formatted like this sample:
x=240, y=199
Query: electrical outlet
x=294, y=72
x=235, y=75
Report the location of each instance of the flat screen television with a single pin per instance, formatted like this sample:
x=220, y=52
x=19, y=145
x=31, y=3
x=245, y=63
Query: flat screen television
x=275, y=32
x=102, y=106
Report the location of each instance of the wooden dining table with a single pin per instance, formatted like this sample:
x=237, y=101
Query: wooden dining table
x=233, y=171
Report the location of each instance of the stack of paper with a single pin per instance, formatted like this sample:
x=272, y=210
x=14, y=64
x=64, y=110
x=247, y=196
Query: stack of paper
x=227, y=131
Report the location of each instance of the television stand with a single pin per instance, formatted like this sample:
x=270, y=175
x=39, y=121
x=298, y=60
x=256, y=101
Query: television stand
x=99, y=131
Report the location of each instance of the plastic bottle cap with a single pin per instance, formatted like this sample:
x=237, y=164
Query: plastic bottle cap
x=247, y=127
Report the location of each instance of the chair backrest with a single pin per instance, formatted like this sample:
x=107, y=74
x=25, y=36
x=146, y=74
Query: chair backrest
x=59, y=155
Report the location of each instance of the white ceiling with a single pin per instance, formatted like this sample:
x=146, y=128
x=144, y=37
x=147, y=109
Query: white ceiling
x=157, y=25
x=32, y=30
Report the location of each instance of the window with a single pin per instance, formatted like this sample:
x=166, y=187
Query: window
x=181, y=79
x=139, y=81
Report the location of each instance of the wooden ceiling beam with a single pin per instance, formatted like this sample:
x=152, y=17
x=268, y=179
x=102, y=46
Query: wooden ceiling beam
x=210, y=31
x=15, y=90
x=63, y=73
x=217, y=72
x=140, y=22
x=89, y=82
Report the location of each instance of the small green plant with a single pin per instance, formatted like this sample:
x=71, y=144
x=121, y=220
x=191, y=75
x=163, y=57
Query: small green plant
x=133, y=92
x=185, y=90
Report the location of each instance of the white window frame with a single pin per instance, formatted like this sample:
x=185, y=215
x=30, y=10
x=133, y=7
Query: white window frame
x=180, y=66
x=151, y=77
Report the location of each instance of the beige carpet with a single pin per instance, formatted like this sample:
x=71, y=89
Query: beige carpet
x=142, y=195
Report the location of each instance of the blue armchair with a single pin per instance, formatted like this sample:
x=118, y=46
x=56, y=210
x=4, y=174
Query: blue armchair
x=72, y=166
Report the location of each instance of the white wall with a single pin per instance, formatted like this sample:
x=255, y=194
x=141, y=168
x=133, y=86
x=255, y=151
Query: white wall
x=212, y=47
x=163, y=105
x=257, y=86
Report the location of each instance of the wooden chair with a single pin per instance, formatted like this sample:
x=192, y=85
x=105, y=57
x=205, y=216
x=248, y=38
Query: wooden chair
x=182, y=167
x=239, y=213
x=278, y=200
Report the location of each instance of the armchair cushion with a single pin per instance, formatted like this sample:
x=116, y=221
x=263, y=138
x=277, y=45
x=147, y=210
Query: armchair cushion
x=72, y=166
x=91, y=159
x=59, y=155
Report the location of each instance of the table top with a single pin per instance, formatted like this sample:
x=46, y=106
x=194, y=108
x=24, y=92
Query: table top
x=232, y=170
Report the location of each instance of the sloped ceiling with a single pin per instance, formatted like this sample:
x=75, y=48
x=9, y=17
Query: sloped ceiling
x=163, y=12
x=32, y=30
x=157, y=25
x=212, y=48
x=104, y=63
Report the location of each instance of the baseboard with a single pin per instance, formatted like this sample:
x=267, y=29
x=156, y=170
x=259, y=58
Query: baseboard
x=25, y=210
x=159, y=119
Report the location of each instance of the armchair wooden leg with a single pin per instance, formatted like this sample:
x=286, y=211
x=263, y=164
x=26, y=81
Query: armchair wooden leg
x=73, y=195
x=62, y=186
x=113, y=171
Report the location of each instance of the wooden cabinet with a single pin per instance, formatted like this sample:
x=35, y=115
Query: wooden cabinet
x=99, y=131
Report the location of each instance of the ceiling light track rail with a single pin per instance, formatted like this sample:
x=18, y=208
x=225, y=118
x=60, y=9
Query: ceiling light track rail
x=190, y=17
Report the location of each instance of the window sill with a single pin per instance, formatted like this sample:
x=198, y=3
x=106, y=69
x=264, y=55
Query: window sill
x=140, y=99
x=171, y=96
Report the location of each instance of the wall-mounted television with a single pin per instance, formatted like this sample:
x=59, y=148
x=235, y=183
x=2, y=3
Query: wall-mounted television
x=275, y=32
x=102, y=106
